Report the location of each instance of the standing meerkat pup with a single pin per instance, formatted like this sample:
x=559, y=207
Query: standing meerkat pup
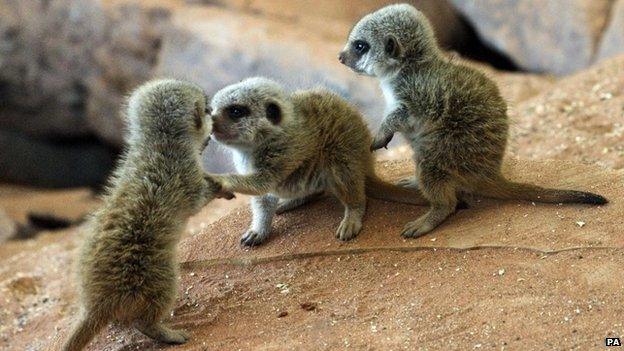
x=295, y=146
x=452, y=115
x=127, y=265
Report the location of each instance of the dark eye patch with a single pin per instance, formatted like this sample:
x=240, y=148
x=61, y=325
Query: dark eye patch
x=273, y=113
x=360, y=47
x=237, y=111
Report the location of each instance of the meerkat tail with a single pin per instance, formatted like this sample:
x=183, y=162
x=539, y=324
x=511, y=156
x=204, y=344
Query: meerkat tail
x=84, y=331
x=505, y=189
x=378, y=189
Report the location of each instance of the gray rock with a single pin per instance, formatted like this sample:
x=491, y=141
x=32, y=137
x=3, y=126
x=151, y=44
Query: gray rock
x=556, y=36
x=612, y=42
x=65, y=65
x=45, y=48
x=126, y=58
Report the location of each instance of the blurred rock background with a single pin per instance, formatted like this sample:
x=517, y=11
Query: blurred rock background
x=66, y=65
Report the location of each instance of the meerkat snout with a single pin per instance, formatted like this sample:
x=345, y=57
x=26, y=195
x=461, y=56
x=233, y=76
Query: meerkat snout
x=353, y=56
x=342, y=57
x=227, y=121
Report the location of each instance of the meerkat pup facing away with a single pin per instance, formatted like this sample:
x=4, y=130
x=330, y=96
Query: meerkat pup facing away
x=127, y=267
x=452, y=115
x=295, y=146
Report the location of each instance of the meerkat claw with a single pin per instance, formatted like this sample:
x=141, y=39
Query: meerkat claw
x=178, y=337
x=164, y=334
x=225, y=195
x=381, y=142
x=348, y=229
x=409, y=182
x=252, y=238
x=417, y=228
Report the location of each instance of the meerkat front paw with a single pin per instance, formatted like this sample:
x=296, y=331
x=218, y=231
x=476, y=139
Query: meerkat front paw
x=177, y=336
x=164, y=334
x=409, y=182
x=225, y=195
x=219, y=187
x=349, y=228
x=417, y=228
x=381, y=140
x=253, y=238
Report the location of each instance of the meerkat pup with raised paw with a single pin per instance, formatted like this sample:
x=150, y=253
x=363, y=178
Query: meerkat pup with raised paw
x=452, y=115
x=127, y=264
x=294, y=147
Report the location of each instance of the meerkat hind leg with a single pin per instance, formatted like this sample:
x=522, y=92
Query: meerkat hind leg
x=263, y=208
x=353, y=197
x=443, y=200
x=412, y=183
x=291, y=204
x=85, y=330
x=162, y=333
x=351, y=223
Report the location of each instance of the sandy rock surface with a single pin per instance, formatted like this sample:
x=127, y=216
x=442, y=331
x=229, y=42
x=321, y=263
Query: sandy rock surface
x=8, y=227
x=476, y=282
x=69, y=204
x=581, y=118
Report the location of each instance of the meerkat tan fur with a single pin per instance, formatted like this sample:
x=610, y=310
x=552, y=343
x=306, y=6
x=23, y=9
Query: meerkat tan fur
x=452, y=115
x=127, y=264
x=294, y=146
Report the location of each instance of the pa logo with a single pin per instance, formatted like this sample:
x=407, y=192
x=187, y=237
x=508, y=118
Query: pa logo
x=613, y=342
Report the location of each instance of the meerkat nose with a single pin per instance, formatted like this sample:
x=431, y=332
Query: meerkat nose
x=341, y=57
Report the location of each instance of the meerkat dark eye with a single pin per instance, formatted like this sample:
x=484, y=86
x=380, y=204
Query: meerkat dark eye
x=361, y=47
x=390, y=46
x=273, y=113
x=237, y=111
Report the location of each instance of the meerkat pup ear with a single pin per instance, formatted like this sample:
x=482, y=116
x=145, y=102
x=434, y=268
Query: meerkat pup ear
x=392, y=47
x=273, y=113
x=200, y=112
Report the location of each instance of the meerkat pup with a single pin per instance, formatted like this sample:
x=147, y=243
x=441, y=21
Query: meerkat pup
x=295, y=146
x=452, y=115
x=127, y=267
